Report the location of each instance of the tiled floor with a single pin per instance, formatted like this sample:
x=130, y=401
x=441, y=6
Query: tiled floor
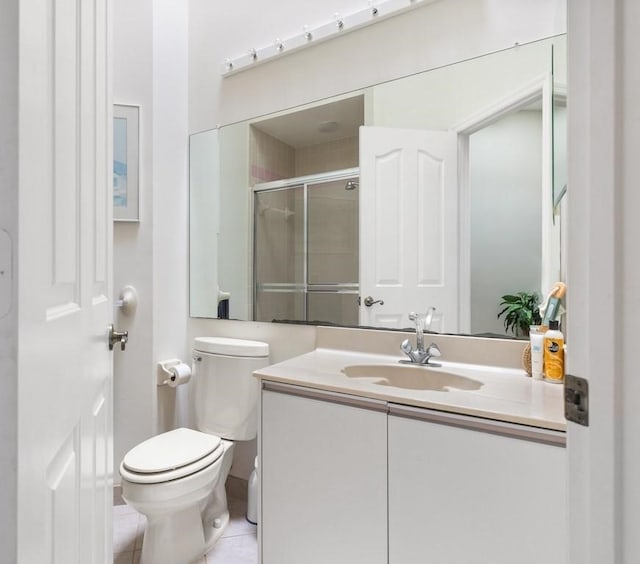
x=238, y=544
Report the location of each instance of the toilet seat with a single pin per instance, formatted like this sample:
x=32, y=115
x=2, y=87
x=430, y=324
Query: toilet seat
x=170, y=456
x=231, y=347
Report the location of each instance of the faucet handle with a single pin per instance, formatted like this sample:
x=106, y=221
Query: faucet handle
x=406, y=347
x=434, y=350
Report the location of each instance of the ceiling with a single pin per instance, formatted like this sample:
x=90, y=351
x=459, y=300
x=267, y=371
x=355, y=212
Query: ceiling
x=318, y=124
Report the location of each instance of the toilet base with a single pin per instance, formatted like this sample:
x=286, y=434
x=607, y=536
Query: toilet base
x=182, y=530
x=181, y=538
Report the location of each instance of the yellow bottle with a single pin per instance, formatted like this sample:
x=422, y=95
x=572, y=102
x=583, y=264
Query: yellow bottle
x=554, y=354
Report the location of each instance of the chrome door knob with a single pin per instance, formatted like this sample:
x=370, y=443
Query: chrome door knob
x=369, y=301
x=115, y=337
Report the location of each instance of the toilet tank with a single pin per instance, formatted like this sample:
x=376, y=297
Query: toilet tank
x=225, y=393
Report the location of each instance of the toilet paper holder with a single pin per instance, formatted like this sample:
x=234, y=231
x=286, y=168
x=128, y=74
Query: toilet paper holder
x=165, y=375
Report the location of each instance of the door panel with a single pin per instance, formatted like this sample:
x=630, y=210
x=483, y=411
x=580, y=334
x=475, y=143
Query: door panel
x=431, y=239
x=388, y=208
x=65, y=377
x=408, y=226
x=62, y=480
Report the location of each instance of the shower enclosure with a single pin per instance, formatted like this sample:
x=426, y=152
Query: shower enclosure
x=306, y=249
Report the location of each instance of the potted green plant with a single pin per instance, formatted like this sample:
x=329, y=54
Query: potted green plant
x=520, y=311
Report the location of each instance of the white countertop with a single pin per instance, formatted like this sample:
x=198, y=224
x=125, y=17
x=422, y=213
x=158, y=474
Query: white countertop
x=506, y=394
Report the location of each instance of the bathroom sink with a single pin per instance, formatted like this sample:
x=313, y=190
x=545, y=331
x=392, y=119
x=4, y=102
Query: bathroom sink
x=410, y=377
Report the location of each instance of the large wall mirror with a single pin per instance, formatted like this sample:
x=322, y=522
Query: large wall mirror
x=442, y=189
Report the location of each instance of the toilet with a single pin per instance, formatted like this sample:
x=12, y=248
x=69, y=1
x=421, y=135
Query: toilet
x=177, y=479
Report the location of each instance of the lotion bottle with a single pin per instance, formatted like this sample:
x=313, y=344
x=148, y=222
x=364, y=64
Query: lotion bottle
x=554, y=354
x=536, y=337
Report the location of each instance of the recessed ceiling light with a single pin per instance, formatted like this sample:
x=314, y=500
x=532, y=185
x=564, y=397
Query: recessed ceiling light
x=327, y=126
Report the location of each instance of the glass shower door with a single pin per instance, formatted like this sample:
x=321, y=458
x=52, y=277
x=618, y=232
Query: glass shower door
x=306, y=250
x=332, y=251
x=279, y=254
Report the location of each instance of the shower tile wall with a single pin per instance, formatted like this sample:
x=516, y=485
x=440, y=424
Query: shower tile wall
x=270, y=158
x=326, y=157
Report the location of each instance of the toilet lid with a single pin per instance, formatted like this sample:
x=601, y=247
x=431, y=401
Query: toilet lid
x=169, y=475
x=170, y=451
x=231, y=347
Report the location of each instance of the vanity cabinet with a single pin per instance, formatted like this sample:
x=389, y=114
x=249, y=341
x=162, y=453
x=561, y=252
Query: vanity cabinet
x=324, y=477
x=350, y=480
x=465, y=489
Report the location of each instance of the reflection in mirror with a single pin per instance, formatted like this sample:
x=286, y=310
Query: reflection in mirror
x=204, y=228
x=306, y=249
x=282, y=234
x=559, y=57
x=506, y=212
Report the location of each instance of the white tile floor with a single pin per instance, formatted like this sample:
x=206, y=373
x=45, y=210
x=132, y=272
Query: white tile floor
x=238, y=544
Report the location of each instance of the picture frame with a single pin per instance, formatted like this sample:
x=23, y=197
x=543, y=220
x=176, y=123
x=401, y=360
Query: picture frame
x=126, y=162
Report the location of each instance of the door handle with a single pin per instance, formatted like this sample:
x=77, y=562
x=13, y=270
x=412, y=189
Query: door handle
x=369, y=301
x=121, y=337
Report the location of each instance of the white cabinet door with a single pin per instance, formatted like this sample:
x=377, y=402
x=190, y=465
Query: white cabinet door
x=459, y=495
x=323, y=479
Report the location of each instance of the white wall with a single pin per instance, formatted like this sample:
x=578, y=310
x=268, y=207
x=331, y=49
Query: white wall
x=171, y=197
x=8, y=322
x=134, y=390
x=150, y=70
x=458, y=92
x=427, y=37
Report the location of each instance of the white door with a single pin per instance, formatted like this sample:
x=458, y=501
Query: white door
x=603, y=278
x=408, y=226
x=65, y=377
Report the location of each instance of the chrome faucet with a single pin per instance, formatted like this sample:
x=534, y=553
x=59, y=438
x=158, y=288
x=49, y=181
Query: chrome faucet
x=420, y=355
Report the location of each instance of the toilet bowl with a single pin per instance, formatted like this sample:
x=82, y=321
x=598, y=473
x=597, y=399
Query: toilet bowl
x=177, y=479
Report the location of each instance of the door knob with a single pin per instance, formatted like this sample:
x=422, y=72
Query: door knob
x=369, y=301
x=121, y=337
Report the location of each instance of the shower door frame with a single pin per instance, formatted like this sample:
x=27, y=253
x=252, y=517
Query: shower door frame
x=304, y=287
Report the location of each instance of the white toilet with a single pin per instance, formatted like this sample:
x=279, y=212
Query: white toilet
x=177, y=479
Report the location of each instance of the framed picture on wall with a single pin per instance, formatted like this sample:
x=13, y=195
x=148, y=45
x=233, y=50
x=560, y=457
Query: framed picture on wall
x=126, y=145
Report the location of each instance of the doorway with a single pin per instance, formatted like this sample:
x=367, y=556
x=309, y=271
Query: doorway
x=506, y=214
x=535, y=96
